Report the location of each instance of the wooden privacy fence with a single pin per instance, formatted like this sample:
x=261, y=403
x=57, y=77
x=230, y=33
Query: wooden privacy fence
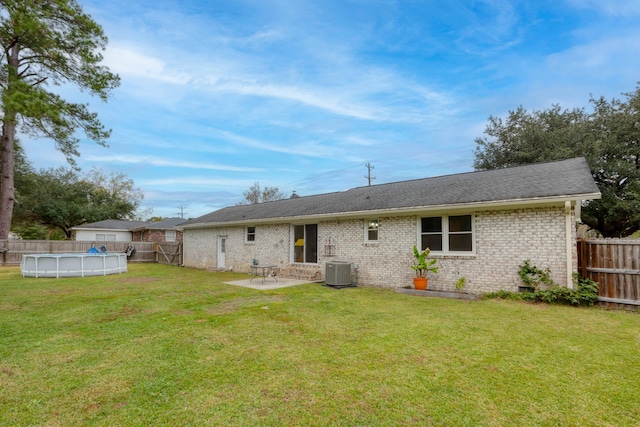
x=169, y=253
x=615, y=265
x=12, y=250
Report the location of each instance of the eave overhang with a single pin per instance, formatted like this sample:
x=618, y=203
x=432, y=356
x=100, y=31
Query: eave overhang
x=471, y=206
x=99, y=229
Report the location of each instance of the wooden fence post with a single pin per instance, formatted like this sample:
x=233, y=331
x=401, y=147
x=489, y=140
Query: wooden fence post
x=583, y=258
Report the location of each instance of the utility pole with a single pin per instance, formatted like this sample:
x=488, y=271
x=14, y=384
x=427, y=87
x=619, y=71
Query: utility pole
x=181, y=211
x=368, y=175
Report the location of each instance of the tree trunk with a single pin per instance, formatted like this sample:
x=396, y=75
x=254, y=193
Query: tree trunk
x=7, y=166
x=7, y=150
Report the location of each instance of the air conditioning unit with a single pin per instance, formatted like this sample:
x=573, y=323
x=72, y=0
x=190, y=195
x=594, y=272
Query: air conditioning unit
x=338, y=273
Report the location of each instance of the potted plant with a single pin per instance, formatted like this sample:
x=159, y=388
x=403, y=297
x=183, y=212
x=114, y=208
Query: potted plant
x=422, y=266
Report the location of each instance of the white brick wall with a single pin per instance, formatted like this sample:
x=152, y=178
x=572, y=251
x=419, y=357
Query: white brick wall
x=503, y=239
x=384, y=263
x=200, y=247
x=271, y=246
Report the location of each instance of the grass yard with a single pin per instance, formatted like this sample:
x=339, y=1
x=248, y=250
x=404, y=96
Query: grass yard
x=165, y=345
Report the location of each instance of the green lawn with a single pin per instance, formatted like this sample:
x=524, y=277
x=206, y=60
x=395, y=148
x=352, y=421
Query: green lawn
x=165, y=345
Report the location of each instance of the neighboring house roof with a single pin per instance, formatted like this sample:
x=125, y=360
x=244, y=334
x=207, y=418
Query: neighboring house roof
x=538, y=183
x=167, y=224
x=111, y=224
x=121, y=225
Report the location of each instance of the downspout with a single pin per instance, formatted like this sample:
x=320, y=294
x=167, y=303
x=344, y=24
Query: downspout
x=569, y=244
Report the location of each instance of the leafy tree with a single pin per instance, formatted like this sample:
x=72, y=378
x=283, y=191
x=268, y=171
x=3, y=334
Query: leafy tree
x=32, y=232
x=23, y=172
x=47, y=42
x=257, y=195
x=61, y=198
x=608, y=137
x=113, y=196
x=525, y=138
x=38, y=232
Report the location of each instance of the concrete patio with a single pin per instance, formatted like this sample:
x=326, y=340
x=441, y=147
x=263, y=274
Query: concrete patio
x=269, y=283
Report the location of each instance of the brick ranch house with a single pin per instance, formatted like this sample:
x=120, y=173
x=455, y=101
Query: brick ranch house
x=114, y=230
x=478, y=225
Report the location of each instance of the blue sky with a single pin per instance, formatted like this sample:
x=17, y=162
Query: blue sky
x=300, y=95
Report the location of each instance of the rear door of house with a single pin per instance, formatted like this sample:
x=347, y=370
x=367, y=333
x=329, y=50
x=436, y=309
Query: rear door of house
x=222, y=249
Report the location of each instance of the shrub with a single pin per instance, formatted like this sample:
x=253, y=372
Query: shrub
x=585, y=293
x=586, y=290
x=503, y=295
x=533, y=276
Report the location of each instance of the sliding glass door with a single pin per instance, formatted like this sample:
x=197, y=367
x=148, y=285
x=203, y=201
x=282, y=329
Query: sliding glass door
x=305, y=243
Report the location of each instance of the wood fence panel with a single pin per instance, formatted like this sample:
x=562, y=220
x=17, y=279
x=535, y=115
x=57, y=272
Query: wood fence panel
x=169, y=253
x=145, y=251
x=615, y=265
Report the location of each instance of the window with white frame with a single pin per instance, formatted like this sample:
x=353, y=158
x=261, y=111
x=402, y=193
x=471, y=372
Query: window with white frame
x=251, y=234
x=170, y=235
x=105, y=237
x=453, y=233
x=372, y=227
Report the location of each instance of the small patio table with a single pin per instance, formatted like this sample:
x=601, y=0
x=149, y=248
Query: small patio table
x=264, y=271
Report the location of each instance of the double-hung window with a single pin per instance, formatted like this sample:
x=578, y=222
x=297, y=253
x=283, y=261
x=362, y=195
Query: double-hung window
x=453, y=233
x=251, y=234
x=372, y=227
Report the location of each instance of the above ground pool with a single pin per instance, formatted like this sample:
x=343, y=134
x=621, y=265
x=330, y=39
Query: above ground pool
x=73, y=265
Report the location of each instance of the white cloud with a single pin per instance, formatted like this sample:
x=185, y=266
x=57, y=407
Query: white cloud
x=361, y=91
x=600, y=58
x=171, y=163
x=324, y=101
x=279, y=58
x=616, y=8
x=488, y=26
x=127, y=61
x=299, y=148
x=199, y=182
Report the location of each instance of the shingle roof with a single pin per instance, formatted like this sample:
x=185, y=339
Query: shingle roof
x=112, y=224
x=117, y=224
x=565, y=179
x=166, y=224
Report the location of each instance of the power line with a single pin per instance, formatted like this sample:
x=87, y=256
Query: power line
x=181, y=213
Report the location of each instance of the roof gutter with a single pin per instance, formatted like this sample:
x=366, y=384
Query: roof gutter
x=405, y=211
x=98, y=229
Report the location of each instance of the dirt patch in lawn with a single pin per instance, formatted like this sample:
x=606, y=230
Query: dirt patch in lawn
x=135, y=280
x=230, y=306
x=125, y=311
